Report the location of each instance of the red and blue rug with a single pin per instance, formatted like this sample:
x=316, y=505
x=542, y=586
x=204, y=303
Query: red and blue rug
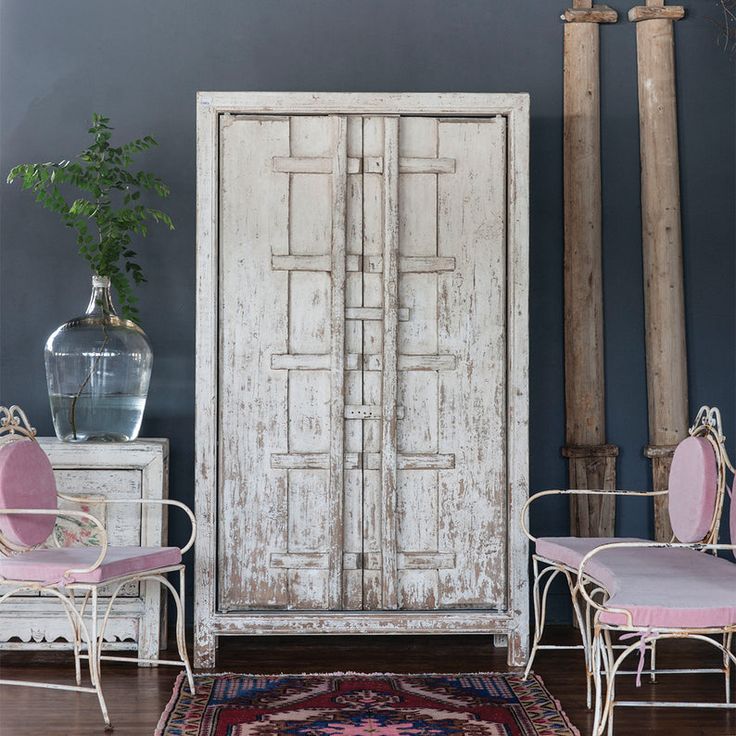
x=483, y=704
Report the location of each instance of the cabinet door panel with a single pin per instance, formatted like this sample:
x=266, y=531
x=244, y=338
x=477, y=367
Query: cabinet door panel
x=380, y=258
x=353, y=474
x=452, y=521
x=472, y=327
x=282, y=269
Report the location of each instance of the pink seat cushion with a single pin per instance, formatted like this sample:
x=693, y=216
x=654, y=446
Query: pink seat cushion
x=571, y=550
x=692, y=489
x=668, y=587
x=665, y=587
x=48, y=565
x=26, y=482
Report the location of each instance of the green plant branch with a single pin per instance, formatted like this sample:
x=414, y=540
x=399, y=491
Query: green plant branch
x=98, y=358
x=111, y=214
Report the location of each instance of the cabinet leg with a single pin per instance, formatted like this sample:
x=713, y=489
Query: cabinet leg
x=205, y=649
x=518, y=650
x=149, y=626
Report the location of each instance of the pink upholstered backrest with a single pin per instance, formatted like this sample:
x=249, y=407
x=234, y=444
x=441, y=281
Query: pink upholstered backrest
x=693, y=487
x=26, y=482
x=733, y=522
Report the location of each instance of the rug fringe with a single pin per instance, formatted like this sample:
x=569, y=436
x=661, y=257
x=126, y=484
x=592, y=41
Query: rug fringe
x=355, y=672
x=169, y=706
x=541, y=682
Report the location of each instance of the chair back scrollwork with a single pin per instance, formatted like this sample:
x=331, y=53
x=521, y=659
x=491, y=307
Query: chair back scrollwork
x=708, y=425
x=14, y=424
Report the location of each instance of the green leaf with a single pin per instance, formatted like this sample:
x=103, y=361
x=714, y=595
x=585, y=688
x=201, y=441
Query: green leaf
x=101, y=172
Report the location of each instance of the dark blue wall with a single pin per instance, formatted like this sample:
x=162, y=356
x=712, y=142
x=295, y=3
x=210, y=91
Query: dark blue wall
x=141, y=62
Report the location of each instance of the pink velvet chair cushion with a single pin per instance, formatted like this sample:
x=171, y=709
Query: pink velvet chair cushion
x=662, y=587
x=733, y=522
x=692, y=489
x=571, y=550
x=667, y=587
x=26, y=482
x=49, y=565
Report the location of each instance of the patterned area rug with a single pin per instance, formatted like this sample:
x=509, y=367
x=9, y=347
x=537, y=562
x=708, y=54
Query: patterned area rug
x=364, y=705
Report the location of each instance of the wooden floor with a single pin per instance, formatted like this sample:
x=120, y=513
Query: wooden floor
x=136, y=697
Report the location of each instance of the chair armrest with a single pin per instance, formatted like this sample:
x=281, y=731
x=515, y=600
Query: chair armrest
x=73, y=515
x=576, y=492
x=140, y=502
x=580, y=587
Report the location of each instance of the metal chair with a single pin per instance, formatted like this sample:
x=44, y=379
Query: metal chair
x=654, y=591
x=697, y=478
x=73, y=575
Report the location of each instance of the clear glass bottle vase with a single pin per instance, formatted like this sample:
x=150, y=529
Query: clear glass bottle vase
x=98, y=368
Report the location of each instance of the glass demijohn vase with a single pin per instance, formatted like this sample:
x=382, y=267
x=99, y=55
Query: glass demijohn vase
x=98, y=368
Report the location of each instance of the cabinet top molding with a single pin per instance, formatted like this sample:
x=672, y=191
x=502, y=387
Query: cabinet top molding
x=378, y=103
x=142, y=443
x=137, y=453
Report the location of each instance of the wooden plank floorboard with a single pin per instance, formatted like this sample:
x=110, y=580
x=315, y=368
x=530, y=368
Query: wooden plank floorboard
x=136, y=697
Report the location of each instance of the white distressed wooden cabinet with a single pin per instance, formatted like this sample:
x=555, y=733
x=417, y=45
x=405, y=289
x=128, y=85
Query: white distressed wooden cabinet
x=361, y=365
x=118, y=470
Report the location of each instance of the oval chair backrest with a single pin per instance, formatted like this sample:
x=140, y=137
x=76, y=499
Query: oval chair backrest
x=733, y=522
x=693, y=489
x=26, y=482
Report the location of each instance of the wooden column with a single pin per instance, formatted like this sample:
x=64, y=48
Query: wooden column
x=592, y=462
x=662, y=243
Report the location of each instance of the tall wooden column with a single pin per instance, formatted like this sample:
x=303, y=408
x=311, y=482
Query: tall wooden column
x=592, y=462
x=662, y=243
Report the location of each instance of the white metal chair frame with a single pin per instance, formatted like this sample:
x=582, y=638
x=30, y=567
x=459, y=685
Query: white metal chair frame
x=605, y=661
x=707, y=424
x=14, y=425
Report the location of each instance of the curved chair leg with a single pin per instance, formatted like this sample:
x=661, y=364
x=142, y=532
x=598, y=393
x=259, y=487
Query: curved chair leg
x=653, y=661
x=612, y=679
x=181, y=631
x=727, y=642
x=76, y=643
x=615, y=663
x=536, y=603
x=103, y=626
x=597, y=681
x=178, y=597
x=540, y=608
x=574, y=597
x=78, y=635
x=80, y=630
x=93, y=651
x=612, y=666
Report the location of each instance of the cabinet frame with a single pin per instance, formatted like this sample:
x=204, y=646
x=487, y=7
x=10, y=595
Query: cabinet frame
x=209, y=623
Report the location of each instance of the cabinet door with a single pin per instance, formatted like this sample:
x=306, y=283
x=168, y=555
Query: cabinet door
x=362, y=367
x=442, y=491
x=282, y=426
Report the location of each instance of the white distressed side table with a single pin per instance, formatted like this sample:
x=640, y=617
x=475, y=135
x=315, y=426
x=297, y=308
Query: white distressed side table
x=138, y=469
